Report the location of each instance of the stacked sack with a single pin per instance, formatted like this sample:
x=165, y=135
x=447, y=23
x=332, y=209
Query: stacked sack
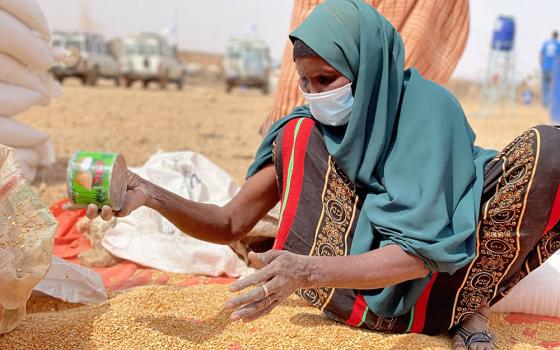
x=27, y=230
x=25, y=58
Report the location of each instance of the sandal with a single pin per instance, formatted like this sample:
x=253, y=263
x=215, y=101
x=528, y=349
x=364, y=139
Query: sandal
x=470, y=338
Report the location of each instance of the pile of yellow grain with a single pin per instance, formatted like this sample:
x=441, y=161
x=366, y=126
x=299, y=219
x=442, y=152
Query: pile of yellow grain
x=165, y=317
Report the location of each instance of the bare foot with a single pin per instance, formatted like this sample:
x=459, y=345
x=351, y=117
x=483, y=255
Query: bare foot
x=475, y=323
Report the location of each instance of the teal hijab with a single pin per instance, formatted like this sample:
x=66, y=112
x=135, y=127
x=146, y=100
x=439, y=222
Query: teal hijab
x=408, y=146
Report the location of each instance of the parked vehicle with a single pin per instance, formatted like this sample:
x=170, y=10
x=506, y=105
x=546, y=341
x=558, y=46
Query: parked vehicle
x=247, y=62
x=95, y=58
x=149, y=58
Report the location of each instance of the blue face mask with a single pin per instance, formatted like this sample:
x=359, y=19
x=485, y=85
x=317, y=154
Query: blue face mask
x=331, y=107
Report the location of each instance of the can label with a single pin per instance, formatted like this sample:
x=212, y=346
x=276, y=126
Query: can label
x=89, y=178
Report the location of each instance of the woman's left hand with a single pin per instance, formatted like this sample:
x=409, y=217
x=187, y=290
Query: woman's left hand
x=281, y=274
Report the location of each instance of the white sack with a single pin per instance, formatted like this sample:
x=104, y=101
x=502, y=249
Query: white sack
x=28, y=161
x=44, y=151
x=18, y=135
x=28, y=12
x=20, y=42
x=536, y=294
x=72, y=283
x=31, y=147
x=191, y=175
x=149, y=239
x=14, y=73
x=144, y=240
x=15, y=99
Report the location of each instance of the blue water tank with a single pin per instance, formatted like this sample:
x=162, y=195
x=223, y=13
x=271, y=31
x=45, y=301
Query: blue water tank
x=555, y=94
x=504, y=34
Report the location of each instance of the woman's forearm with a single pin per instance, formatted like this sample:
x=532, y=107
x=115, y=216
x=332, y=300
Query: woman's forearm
x=379, y=268
x=207, y=222
x=213, y=223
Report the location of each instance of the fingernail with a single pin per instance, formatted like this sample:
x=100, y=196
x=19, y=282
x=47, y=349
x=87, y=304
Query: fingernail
x=234, y=317
x=228, y=305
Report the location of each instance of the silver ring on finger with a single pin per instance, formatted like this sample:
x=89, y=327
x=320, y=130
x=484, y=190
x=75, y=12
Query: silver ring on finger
x=269, y=300
x=265, y=290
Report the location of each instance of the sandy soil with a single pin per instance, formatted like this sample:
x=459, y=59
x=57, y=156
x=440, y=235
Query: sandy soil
x=205, y=119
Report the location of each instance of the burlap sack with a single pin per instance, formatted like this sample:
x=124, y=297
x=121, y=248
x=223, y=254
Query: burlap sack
x=27, y=231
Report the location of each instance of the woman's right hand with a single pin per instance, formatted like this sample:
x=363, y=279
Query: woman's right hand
x=137, y=195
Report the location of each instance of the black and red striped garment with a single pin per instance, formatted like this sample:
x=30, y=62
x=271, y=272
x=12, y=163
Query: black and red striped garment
x=517, y=230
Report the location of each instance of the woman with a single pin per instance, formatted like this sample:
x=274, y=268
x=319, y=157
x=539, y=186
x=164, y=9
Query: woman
x=381, y=189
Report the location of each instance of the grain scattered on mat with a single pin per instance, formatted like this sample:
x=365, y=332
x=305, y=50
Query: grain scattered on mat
x=168, y=317
x=44, y=303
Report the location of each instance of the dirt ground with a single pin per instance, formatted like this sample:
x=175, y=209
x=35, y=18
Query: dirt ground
x=204, y=119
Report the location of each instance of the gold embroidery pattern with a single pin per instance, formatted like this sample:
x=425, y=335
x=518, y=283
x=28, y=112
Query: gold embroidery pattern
x=497, y=242
x=382, y=323
x=518, y=277
x=549, y=244
x=337, y=216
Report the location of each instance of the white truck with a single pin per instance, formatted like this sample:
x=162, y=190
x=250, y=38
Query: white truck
x=95, y=58
x=149, y=58
x=247, y=63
